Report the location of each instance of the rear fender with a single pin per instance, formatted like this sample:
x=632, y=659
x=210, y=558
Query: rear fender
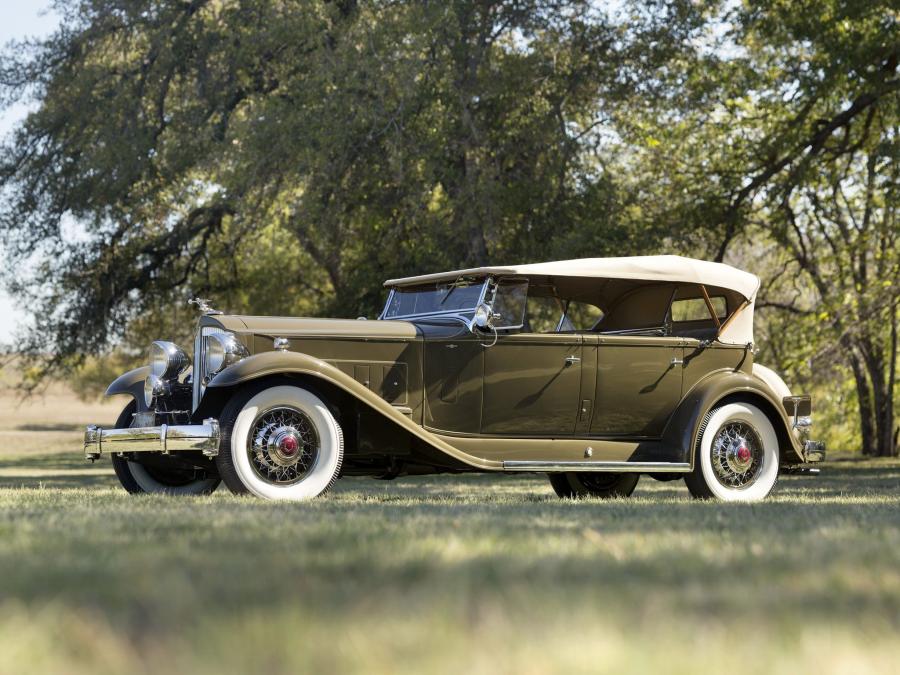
x=267, y=364
x=721, y=387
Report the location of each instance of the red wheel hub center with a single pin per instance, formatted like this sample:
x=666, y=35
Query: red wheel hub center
x=743, y=453
x=289, y=445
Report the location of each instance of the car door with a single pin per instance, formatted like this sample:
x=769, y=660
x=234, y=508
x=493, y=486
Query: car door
x=453, y=374
x=532, y=385
x=639, y=384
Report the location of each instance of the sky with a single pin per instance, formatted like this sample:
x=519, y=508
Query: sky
x=25, y=18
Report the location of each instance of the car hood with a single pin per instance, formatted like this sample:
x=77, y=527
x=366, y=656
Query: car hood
x=279, y=326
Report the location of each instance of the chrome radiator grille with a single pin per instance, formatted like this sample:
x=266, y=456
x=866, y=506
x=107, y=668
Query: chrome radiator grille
x=200, y=342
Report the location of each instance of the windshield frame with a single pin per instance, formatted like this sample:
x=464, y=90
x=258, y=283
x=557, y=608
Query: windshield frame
x=468, y=314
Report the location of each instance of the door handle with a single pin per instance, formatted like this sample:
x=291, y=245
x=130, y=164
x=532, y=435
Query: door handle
x=676, y=362
x=570, y=360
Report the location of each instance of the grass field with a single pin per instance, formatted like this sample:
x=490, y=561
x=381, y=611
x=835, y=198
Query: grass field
x=453, y=574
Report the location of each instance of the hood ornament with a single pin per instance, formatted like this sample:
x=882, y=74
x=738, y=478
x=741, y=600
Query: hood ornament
x=204, y=306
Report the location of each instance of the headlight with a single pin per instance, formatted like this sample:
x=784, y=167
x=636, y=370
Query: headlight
x=153, y=388
x=222, y=350
x=167, y=360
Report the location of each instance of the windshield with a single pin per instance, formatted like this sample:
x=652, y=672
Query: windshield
x=446, y=297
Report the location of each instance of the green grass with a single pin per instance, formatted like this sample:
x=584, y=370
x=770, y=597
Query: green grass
x=449, y=574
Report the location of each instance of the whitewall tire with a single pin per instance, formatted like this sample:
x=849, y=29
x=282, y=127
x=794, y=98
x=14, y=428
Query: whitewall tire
x=139, y=479
x=736, y=457
x=279, y=442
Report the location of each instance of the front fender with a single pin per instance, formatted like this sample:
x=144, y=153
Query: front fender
x=284, y=362
x=684, y=426
x=131, y=383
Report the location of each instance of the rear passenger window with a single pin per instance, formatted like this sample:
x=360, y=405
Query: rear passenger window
x=695, y=309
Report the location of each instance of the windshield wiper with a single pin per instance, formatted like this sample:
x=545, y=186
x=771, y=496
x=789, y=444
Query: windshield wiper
x=449, y=293
x=456, y=284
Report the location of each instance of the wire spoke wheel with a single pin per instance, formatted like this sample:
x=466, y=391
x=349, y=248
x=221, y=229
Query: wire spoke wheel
x=280, y=441
x=737, y=455
x=283, y=446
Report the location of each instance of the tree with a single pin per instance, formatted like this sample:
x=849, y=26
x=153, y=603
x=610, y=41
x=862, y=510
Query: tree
x=831, y=198
x=371, y=138
x=782, y=127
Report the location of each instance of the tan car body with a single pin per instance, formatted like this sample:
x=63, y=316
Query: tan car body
x=476, y=384
x=645, y=417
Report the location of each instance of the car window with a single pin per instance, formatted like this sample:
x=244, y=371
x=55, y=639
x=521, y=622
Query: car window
x=542, y=315
x=461, y=295
x=581, y=316
x=695, y=309
x=509, y=303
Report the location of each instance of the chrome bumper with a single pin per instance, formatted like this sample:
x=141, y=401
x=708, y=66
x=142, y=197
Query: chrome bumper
x=814, y=451
x=165, y=439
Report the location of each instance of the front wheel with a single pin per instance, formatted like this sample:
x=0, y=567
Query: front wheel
x=736, y=458
x=138, y=478
x=279, y=442
x=591, y=484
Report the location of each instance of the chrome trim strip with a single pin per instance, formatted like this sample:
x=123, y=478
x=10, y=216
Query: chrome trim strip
x=199, y=373
x=387, y=304
x=197, y=370
x=443, y=312
x=621, y=467
x=165, y=439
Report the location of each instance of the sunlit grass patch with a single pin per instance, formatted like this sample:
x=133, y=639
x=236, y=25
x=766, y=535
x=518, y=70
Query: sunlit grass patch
x=475, y=573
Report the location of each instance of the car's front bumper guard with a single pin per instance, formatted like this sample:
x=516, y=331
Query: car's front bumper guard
x=814, y=451
x=165, y=439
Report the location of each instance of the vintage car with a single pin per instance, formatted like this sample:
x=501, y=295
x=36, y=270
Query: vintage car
x=592, y=371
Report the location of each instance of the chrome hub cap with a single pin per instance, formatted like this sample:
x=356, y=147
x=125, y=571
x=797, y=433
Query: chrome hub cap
x=737, y=455
x=284, y=446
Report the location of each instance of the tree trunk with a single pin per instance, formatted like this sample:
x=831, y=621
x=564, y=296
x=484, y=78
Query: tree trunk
x=891, y=433
x=882, y=397
x=864, y=398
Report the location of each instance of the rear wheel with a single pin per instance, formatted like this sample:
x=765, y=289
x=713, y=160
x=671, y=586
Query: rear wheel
x=137, y=478
x=279, y=442
x=593, y=484
x=736, y=458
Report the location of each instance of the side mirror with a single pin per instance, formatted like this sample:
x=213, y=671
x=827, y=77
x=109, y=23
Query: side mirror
x=484, y=316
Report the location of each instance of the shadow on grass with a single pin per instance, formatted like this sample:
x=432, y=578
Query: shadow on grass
x=457, y=545
x=844, y=479
x=61, y=463
x=50, y=427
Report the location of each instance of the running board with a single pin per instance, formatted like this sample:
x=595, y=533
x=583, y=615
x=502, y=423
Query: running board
x=621, y=467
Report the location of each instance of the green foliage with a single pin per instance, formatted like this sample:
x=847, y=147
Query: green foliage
x=778, y=145
x=362, y=140
x=286, y=156
x=95, y=373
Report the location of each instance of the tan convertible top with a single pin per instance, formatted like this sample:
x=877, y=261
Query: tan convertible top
x=645, y=281
x=671, y=268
